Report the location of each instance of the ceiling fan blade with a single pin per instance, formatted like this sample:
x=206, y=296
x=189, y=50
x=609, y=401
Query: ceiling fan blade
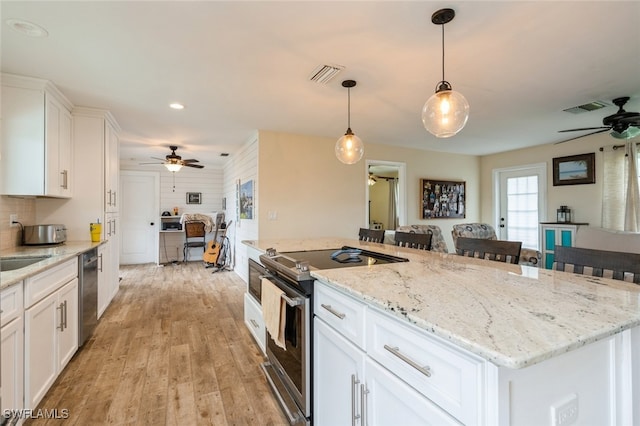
x=584, y=128
x=604, y=129
x=149, y=163
x=191, y=160
x=156, y=158
x=197, y=166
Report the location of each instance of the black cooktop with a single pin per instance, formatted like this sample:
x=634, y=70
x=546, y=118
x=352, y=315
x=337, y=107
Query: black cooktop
x=341, y=258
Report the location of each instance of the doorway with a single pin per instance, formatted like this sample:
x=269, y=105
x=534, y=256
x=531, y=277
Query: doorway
x=520, y=194
x=140, y=215
x=385, y=183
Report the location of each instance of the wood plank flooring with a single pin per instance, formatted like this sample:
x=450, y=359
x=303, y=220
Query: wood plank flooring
x=172, y=348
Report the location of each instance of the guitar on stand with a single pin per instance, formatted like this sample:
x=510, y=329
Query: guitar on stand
x=212, y=251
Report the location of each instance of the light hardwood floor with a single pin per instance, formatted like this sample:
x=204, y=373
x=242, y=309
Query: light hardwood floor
x=172, y=348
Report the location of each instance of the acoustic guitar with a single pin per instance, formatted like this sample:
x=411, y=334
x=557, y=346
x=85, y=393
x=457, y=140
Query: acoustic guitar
x=213, y=249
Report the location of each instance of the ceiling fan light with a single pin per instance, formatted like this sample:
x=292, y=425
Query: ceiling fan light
x=445, y=113
x=349, y=148
x=630, y=133
x=173, y=167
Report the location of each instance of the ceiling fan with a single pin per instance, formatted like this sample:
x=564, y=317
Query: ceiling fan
x=623, y=124
x=173, y=162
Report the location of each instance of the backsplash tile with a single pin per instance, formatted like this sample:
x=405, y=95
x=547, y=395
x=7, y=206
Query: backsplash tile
x=25, y=208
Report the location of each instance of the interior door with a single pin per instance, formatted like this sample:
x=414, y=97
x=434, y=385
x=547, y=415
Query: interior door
x=139, y=217
x=521, y=203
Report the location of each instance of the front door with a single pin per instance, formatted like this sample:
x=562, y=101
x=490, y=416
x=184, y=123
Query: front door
x=521, y=195
x=139, y=217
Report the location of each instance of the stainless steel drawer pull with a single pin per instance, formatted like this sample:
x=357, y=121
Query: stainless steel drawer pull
x=254, y=323
x=333, y=311
x=354, y=387
x=426, y=370
x=65, y=179
x=61, y=326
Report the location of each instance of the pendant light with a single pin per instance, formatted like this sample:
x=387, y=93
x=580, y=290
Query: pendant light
x=447, y=111
x=349, y=148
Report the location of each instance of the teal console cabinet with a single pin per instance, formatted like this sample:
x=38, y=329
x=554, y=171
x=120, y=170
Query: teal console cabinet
x=554, y=234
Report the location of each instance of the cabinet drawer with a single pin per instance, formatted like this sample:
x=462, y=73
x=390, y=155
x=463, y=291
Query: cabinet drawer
x=446, y=375
x=45, y=283
x=345, y=314
x=11, y=303
x=254, y=321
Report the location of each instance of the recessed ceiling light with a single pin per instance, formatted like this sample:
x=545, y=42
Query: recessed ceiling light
x=176, y=105
x=27, y=28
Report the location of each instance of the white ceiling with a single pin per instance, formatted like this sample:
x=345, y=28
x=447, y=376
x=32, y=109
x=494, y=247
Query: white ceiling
x=241, y=66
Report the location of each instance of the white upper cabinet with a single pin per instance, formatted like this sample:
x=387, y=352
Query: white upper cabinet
x=36, y=150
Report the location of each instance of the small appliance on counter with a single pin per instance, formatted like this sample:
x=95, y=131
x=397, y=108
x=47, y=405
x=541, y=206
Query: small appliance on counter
x=35, y=235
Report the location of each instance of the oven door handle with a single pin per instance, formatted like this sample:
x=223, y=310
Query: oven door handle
x=296, y=301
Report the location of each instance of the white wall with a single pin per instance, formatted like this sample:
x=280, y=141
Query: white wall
x=242, y=166
x=312, y=194
x=585, y=201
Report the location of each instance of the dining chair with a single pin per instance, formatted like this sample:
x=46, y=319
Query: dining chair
x=598, y=263
x=371, y=235
x=498, y=250
x=413, y=240
x=194, y=236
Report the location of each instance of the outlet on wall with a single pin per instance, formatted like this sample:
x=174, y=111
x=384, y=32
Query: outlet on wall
x=565, y=412
x=12, y=219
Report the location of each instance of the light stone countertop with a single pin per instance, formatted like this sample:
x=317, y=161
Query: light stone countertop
x=512, y=315
x=57, y=253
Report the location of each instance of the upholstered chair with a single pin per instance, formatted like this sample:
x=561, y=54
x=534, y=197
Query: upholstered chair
x=437, y=240
x=485, y=231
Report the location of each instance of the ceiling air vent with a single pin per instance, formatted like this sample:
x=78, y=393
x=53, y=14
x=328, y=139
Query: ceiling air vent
x=591, y=106
x=324, y=73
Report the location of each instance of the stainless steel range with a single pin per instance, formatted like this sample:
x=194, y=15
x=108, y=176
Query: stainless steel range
x=289, y=370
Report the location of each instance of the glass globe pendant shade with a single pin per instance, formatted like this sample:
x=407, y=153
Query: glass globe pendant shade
x=349, y=148
x=446, y=112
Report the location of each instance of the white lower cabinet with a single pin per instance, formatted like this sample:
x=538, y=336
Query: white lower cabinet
x=254, y=321
x=104, y=287
x=390, y=401
x=350, y=387
x=338, y=372
x=11, y=367
x=50, y=329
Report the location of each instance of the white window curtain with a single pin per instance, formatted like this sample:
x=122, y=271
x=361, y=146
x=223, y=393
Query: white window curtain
x=620, y=193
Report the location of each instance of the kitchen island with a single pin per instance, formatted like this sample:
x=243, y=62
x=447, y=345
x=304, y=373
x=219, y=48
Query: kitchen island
x=549, y=347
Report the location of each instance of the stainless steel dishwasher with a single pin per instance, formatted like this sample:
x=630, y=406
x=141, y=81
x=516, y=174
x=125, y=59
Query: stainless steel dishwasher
x=88, y=294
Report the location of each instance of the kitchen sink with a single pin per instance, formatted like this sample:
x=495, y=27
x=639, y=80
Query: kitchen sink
x=13, y=263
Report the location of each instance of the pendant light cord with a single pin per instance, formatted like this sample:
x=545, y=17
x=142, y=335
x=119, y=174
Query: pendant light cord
x=349, y=107
x=442, y=25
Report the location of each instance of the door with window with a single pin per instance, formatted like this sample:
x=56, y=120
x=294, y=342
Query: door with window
x=521, y=203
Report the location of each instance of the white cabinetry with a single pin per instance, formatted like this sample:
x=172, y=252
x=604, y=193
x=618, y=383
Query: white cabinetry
x=104, y=287
x=50, y=327
x=111, y=167
x=113, y=246
x=350, y=387
x=254, y=321
x=11, y=349
x=37, y=149
x=400, y=374
x=96, y=199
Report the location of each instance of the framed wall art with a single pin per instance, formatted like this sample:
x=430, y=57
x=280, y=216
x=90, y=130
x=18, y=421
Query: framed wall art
x=194, y=197
x=574, y=169
x=246, y=200
x=442, y=199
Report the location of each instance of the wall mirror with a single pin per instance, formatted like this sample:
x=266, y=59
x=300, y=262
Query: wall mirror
x=385, y=194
